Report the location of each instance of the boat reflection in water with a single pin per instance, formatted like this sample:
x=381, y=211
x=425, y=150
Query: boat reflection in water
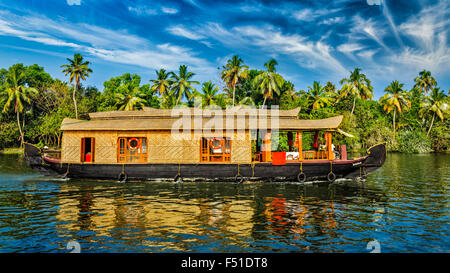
x=208, y=217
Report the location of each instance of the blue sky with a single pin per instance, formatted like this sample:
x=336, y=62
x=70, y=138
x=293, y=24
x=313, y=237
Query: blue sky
x=311, y=40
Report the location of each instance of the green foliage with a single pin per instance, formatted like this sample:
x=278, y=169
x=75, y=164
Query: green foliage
x=412, y=142
x=9, y=134
x=422, y=110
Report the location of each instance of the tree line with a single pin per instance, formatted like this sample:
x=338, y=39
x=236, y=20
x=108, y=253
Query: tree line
x=34, y=104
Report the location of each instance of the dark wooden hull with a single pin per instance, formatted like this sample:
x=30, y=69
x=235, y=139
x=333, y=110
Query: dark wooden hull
x=313, y=170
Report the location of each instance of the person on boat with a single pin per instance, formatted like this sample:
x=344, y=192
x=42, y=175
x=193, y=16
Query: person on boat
x=336, y=153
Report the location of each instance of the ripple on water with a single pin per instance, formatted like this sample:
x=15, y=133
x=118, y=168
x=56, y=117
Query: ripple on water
x=403, y=205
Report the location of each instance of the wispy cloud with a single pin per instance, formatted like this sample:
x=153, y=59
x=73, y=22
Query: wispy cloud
x=143, y=10
x=183, y=32
x=73, y=2
x=169, y=10
x=100, y=42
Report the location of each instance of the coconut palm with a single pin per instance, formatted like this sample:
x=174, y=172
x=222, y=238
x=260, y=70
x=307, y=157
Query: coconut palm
x=162, y=83
x=234, y=71
x=18, y=95
x=168, y=100
x=357, y=85
x=208, y=94
x=182, y=85
x=424, y=82
x=395, y=99
x=436, y=104
x=317, y=96
x=268, y=82
x=77, y=69
x=129, y=101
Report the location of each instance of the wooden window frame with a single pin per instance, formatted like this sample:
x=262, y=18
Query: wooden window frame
x=83, y=146
x=123, y=151
x=205, y=148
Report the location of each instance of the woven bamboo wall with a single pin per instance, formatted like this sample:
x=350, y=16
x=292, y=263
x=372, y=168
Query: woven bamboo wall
x=167, y=147
x=163, y=146
x=241, y=149
x=105, y=146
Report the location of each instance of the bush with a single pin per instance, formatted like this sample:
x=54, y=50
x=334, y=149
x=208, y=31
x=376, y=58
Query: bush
x=412, y=142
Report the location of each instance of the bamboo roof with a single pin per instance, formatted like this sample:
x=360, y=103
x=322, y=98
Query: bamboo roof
x=149, y=112
x=200, y=122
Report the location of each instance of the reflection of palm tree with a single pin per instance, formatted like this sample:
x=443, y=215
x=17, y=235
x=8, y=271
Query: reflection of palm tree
x=18, y=95
x=182, y=85
x=424, y=82
x=435, y=104
x=395, y=99
x=234, y=71
x=268, y=82
x=78, y=69
x=356, y=85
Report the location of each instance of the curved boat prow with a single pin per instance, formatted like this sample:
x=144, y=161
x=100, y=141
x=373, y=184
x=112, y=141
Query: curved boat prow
x=31, y=151
x=377, y=156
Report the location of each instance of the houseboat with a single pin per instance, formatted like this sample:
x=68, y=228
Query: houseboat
x=235, y=144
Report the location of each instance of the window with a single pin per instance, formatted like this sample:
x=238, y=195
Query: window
x=132, y=150
x=87, y=149
x=215, y=149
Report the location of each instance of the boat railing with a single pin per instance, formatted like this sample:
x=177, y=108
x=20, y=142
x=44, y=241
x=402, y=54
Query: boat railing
x=52, y=153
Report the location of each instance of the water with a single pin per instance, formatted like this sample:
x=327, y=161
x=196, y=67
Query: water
x=404, y=206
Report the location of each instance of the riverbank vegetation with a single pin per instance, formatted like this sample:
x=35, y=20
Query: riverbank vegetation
x=33, y=104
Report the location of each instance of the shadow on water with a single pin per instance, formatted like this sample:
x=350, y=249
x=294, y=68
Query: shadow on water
x=403, y=206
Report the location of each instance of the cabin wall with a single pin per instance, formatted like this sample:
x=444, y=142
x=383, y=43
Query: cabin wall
x=168, y=147
x=105, y=146
x=163, y=146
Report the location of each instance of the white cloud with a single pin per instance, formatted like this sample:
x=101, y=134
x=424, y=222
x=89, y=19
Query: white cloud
x=332, y=21
x=143, y=10
x=102, y=43
x=169, y=10
x=373, y=2
x=309, y=15
x=315, y=55
x=73, y=2
x=349, y=48
x=183, y=32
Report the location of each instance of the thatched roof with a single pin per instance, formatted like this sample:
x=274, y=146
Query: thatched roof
x=149, y=112
x=169, y=123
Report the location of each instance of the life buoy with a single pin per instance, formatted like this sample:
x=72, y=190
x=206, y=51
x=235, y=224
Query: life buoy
x=178, y=179
x=331, y=177
x=122, y=177
x=239, y=179
x=218, y=146
x=137, y=143
x=301, y=177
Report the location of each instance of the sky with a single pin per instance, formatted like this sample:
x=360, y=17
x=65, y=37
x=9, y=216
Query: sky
x=311, y=40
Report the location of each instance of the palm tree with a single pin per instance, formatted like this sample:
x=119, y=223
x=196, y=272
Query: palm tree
x=395, y=99
x=318, y=96
x=234, y=71
x=130, y=101
x=209, y=93
x=77, y=69
x=162, y=83
x=436, y=104
x=18, y=94
x=424, y=82
x=182, y=85
x=168, y=100
x=268, y=82
x=357, y=85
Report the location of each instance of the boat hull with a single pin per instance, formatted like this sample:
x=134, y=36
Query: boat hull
x=312, y=170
